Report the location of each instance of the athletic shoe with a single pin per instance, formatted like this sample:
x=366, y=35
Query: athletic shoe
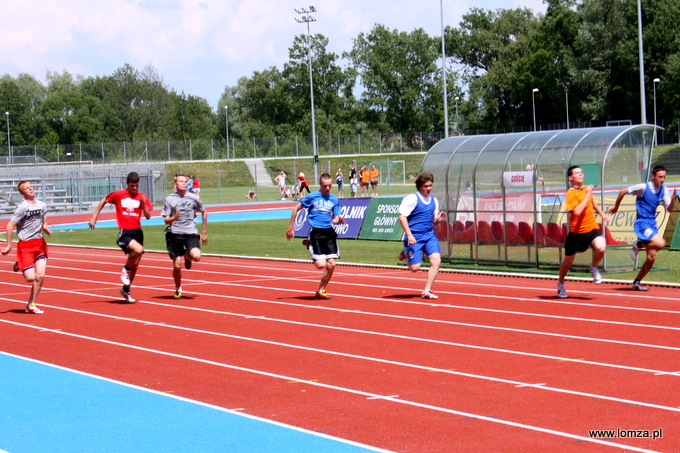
x=187, y=263
x=597, y=278
x=322, y=295
x=15, y=268
x=402, y=255
x=178, y=294
x=634, y=252
x=33, y=309
x=127, y=296
x=125, y=277
x=429, y=295
x=561, y=291
x=638, y=287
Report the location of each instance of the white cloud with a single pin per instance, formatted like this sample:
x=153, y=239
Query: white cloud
x=197, y=46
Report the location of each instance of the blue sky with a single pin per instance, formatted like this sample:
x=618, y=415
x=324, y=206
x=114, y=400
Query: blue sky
x=198, y=46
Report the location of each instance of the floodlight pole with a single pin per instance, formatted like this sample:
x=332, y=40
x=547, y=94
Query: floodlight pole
x=446, y=103
x=533, y=101
x=226, y=119
x=657, y=80
x=306, y=18
x=457, y=120
x=9, y=147
x=566, y=94
x=643, y=100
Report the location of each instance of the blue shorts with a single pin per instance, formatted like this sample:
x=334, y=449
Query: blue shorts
x=427, y=246
x=646, y=229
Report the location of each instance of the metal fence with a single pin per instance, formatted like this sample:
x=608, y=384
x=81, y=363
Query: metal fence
x=213, y=149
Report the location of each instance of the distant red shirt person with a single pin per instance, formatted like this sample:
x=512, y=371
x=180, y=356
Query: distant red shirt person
x=303, y=183
x=29, y=220
x=130, y=204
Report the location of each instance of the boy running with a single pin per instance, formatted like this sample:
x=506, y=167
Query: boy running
x=649, y=196
x=417, y=214
x=29, y=220
x=181, y=235
x=583, y=228
x=323, y=211
x=130, y=204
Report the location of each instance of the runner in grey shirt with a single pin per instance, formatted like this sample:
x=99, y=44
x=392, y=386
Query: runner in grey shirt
x=181, y=235
x=29, y=220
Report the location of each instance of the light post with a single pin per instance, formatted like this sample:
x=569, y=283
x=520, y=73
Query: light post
x=226, y=119
x=306, y=18
x=533, y=101
x=457, y=125
x=446, y=103
x=9, y=147
x=657, y=80
x=566, y=94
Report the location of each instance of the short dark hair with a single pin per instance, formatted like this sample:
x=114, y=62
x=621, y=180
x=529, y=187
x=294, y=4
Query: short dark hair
x=658, y=168
x=571, y=169
x=325, y=176
x=422, y=178
x=133, y=177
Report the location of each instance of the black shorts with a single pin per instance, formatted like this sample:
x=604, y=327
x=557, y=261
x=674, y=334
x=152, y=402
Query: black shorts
x=323, y=243
x=579, y=242
x=126, y=236
x=180, y=244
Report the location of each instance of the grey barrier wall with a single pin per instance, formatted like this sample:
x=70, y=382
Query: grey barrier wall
x=77, y=187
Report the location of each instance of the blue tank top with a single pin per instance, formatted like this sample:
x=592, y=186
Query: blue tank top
x=648, y=202
x=420, y=220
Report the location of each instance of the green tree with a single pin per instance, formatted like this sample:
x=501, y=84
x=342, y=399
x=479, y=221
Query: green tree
x=396, y=70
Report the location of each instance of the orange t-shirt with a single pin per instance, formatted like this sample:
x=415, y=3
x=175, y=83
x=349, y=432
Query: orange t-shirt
x=366, y=177
x=374, y=175
x=584, y=223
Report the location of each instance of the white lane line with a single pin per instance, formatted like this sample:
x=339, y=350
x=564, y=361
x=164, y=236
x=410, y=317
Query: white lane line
x=356, y=392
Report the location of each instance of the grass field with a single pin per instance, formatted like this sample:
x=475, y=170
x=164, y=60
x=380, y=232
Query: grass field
x=266, y=239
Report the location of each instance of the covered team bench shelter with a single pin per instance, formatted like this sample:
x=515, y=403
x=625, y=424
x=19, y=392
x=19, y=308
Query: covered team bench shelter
x=504, y=193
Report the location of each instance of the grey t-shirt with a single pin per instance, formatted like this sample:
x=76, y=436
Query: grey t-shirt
x=29, y=219
x=187, y=206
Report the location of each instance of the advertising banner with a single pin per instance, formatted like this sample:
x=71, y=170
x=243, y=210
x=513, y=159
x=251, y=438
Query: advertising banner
x=382, y=220
x=353, y=210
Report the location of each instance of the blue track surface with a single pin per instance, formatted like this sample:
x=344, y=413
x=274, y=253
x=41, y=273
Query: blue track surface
x=222, y=217
x=50, y=409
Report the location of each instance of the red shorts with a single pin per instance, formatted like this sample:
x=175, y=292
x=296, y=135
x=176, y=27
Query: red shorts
x=28, y=252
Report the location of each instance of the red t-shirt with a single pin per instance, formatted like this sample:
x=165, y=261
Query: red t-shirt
x=128, y=209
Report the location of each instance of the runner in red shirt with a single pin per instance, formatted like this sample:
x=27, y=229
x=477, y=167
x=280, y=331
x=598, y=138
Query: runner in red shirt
x=130, y=204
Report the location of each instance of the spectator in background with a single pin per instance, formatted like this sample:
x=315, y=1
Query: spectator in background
x=353, y=180
x=375, y=174
x=303, y=184
x=190, y=185
x=130, y=205
x=29, y=220
x=340, y=181
x=649, y=196
x=281, y=180
x=196, y=187
x=365, y=176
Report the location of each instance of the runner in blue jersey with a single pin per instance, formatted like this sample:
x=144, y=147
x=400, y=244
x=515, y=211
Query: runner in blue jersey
x=417, y=214
x=323, y=211
x=649, y=196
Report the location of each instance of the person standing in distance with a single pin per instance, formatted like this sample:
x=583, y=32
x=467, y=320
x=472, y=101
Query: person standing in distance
x=584, y=231
x=29, y=220
x=417, y=214
x=649, y=195
x=353, y=180
x=323, y=211
x=130, y=204
x=181, y=235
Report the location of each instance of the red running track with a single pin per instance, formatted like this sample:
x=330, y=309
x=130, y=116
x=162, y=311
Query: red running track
x=495, y=364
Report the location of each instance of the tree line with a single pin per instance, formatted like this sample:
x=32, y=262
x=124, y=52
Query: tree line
x=581, y=52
